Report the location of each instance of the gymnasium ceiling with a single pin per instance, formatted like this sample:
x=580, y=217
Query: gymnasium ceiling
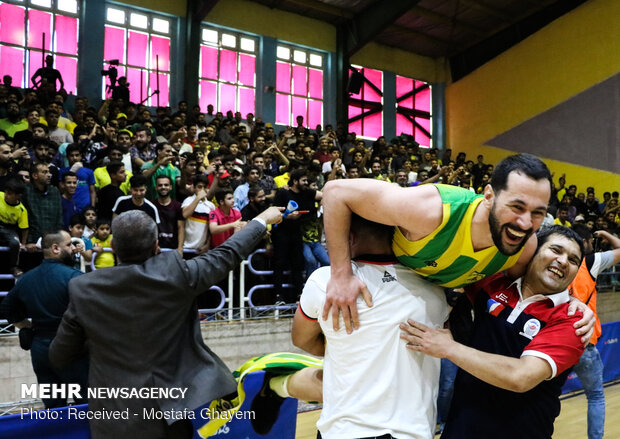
x=467, y=32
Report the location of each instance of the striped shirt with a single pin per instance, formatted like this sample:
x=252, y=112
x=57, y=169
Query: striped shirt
x=447, y=257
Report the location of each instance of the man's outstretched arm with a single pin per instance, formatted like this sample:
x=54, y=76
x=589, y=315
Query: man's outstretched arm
x=514, y=374
x=417, y=211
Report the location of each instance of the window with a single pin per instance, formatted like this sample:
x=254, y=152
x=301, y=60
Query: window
x=227, y=71
x=413, y=110
x=299, y=86
x=366, y=107
x=140, y=42
x=32, y=29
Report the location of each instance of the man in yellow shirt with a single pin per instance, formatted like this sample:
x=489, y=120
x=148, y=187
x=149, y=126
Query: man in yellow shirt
x=13, y=217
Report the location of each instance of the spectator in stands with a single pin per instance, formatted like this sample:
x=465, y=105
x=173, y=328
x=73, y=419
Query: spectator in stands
x=102, y=239
x=196, y=210
x=83, y=246
x=13, y=121
x=56, y=134
x=43, y=203
x=13, y=221
x=225, y=220
x=102, y=176
x=90, y=221
x=24, y=137
x=137, y=200
x=161, y=165
x=85, y=194
x=107, y=195
x=6, y=164
x=402, y=179
x=141, y=151
x=68, y=186
x=257, y=203
x=562, y=216
x=171, y=228
x=42, y=294
x=589, y=370
x=287, y=237
x=252, y=177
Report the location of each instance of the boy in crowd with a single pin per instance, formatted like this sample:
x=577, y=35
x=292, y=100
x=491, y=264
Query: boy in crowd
x=196, y=209
x=102, y=238
x=13, y=218
x=225, y=220
x=85, y=194
x=83, y=252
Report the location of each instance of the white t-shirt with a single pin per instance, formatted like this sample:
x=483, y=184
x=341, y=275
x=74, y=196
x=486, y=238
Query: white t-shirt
x=372, y=384
x=197, y=222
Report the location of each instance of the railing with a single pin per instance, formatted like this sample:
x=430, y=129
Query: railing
x=225, y=309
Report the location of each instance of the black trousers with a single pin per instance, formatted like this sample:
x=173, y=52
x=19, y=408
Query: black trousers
x=288, y=254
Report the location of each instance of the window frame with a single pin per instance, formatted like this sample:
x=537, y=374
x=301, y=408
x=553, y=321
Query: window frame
x=54, y=10
x=148, y=96
x=309, y=52
x=219, y=82
x=374, y=107
x=412, y=113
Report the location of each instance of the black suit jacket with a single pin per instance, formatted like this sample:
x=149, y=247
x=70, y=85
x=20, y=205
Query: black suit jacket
x=139, y=323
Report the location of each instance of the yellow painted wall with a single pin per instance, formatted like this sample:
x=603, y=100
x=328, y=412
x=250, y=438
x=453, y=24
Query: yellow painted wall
x=568, y=56
x=172, y=7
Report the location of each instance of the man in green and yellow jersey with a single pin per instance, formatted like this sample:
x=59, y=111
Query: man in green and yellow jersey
x=447, y=234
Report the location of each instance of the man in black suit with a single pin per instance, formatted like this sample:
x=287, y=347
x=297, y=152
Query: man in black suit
x=139, y=322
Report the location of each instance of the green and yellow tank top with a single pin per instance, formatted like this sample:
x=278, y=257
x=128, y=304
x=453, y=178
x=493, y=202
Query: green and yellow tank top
x=446, y=257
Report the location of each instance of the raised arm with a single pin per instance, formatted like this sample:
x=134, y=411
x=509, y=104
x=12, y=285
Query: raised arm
x=417, y=211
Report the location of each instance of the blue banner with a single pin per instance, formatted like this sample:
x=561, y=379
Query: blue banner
x=609, y=349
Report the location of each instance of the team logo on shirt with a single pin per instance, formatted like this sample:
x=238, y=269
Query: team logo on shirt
x=530, y=329
x=430, y=263
x=387, y=277
x=494, y=308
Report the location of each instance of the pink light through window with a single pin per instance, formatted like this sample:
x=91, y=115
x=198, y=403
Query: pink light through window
x=137, y=84
x=300, y=81
x=67, y=34
x=208, y=62
x=208, y=94
x=68, y=69
x=247, y=66
x=163, y=89
x=39, y=22
x=228, y=95
x=299, y=107
x=282, y=109
x=114, y=47
x=283, y=77
x=315, y=113
x=137, y=49
x=12, y=28
x=160, y=47
x=315, y=83
x=247, y=102
x=12, y=64
x=228, y=66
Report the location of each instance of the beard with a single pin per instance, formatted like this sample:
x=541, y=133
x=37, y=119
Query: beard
x=497, y=231
x=66, y=257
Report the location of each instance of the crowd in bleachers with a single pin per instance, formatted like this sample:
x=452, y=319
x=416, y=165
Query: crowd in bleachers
x=201, y=176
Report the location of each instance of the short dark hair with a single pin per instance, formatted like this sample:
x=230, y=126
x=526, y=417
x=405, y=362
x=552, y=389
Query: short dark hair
x=544, y=233
x=220, y=194
x=138, y=181
x=249, y=169
x=40, y=125
x=363, y=227
x=77, y=218
x=160, y=146
x=526, y=164
x=163, y=176
x=201, y=178
x=583, y=231
x=73, y=147
x=297, y=174
x=15, y=185
x=103, y=221
x=114, y=166
x=67, y=174
x=50, y=238
x=254, y=190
